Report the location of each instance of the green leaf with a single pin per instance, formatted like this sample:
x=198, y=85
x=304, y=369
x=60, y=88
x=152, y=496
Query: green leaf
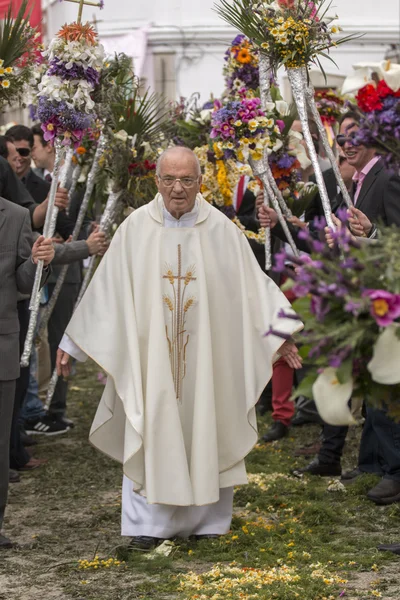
x=305, y=387
x=345, y=371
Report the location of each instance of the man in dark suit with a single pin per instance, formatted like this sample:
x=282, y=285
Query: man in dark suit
x=17, y=273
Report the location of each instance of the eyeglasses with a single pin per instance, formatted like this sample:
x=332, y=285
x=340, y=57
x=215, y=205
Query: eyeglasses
x=23, y=152
x=341, y=140
x=186, y=182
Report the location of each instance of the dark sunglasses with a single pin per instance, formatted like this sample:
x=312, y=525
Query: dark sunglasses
x=341, y=139
x=23, y=152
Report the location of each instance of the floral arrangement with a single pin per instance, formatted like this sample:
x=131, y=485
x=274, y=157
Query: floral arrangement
x=241, y=130
x=380, y=121
x=329, y=105
x=292, y=32
x=349, y=300
x=65, y=105
x=19, y=44
x=241, y=66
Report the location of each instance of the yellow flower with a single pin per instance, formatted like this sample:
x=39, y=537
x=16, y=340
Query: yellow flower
x=5, y=83
x=235, y=537
x=274, y=32
x=190, y=552
x=9, y=70
x=1, y=62
x=253, y=125
x=265, y=46
x=2, y=71
x=245, y=529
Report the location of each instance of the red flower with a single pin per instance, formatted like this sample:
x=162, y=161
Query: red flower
x=368, y=98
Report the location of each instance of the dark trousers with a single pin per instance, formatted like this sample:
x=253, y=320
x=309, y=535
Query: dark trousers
x=380, y=445
x=57, y=325
x=7, y=390
x=333, y=441
x=18, y=455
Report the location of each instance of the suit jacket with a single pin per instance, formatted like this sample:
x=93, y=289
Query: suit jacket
x=314, y=209
x=379, y=197
x=12, y=189
x=17, y=274
x=39, y=189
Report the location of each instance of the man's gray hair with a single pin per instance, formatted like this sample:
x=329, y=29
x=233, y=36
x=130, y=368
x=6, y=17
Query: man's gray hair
x=176, y=149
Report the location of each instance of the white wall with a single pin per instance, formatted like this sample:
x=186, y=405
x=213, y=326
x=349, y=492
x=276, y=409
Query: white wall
x=192, y=39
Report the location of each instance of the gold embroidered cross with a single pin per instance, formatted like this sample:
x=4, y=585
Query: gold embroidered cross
x=178, y=306
x=86, y=3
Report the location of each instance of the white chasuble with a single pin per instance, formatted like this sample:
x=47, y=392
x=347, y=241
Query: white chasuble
x=176, y=317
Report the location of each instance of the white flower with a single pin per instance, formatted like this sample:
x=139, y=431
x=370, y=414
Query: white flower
x=277, y=146
x=121, y=135
x=385, y=364
x=297, y=149
x=332, y=397
x=282, y=107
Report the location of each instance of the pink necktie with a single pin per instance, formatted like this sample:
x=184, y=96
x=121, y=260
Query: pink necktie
x=360, y=182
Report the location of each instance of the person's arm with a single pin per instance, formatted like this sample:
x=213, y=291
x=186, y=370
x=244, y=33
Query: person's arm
x=81, y=249
x=28, y=256
x=269, y=218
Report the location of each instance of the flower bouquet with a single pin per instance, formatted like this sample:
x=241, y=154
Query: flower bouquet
x=349, y=299
x=293, y=33
x=241, y=66
x=380, y=121
x=18, y=48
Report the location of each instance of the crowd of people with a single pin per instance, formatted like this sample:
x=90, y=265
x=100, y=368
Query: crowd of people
x=181, y=336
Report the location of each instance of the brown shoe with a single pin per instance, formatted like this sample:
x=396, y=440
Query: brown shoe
x=309, y=450
x=33, y=463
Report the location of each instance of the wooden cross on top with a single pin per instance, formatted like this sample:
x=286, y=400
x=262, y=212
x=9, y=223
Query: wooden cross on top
x=86, y=3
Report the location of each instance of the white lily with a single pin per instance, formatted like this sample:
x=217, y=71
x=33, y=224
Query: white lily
x=121, y=135
x=282, y=107
x=385, y=364
x=297, y=149
x=332, y=398
x=362, y=75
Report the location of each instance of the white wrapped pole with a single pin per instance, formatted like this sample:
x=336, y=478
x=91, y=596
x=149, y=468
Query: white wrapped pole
x=48, y=232
x=298, y=79
x=310, y=94
x=258, y=168
x=76, y=173
x=105, y=224
x=75, y=234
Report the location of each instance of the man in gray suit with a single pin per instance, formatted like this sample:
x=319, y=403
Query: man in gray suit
x=17, y=274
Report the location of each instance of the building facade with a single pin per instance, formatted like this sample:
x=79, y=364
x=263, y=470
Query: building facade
x=178, y=45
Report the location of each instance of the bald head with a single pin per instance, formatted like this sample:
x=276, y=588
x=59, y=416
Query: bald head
x=178, y=179
x=179, y=154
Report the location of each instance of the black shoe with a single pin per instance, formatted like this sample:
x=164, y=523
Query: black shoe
x=351, y=476
x=144, y=542
x=322, y=469
x=13, y=476
x=277, y=431
x=26, y=439
x=45, y=426
x=300, y=420
x=387, y=491
x=62, y=419
x=390, y=548
x=5, y=543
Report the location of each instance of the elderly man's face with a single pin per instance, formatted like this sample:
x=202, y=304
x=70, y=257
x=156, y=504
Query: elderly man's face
x=179, y=182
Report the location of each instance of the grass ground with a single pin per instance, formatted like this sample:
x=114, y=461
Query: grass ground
x=290, y=538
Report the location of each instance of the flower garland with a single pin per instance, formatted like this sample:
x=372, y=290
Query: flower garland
x=380, y=123
x=241, y=129
x=65, y=105
x=241, y=66
x=293, y=34
x=19, y=44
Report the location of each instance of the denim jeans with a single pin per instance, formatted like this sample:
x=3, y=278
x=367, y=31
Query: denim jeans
x=32, y=407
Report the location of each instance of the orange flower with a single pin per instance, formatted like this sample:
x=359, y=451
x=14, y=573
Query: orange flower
x=75, y=32
x=243, y=56
x=81, y=150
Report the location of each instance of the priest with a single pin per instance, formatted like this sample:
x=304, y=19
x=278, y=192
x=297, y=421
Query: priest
x=176, y=315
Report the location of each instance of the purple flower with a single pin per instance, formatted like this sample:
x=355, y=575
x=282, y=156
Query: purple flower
x=59, y=68
x=319, y=307
x=385, y=307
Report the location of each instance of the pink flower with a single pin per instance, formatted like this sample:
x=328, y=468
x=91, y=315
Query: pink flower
x=385, y=307
x=280, y=124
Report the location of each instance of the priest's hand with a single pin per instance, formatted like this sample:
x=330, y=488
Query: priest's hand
x=267, y=217
x=290, y=354
x=63, y=363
